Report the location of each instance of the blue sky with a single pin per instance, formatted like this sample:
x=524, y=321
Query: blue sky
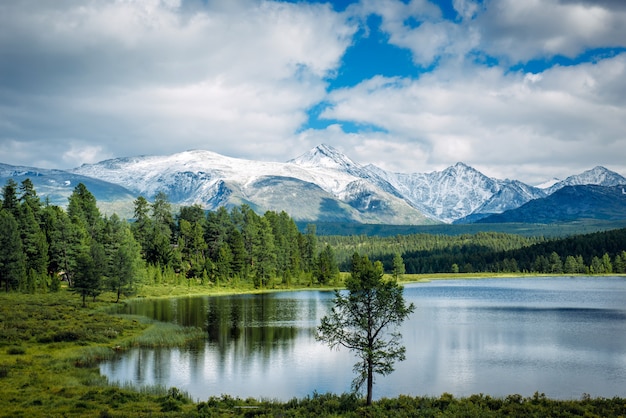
x=517, y=89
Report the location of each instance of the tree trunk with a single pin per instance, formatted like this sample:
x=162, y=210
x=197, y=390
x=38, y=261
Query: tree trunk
x=370, y=382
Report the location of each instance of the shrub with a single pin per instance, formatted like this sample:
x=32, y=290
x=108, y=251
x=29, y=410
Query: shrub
x=16, y=350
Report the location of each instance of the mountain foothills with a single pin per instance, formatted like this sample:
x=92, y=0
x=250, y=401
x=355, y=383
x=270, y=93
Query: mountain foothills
x=325, y=185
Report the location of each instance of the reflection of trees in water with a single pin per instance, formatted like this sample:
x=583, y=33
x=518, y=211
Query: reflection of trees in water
x=252, y=323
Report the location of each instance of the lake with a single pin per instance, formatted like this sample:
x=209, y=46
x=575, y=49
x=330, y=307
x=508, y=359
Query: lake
x=561, y=336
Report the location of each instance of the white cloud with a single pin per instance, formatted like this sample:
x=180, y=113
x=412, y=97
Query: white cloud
x=523, y=30
x=567, y=116
x=152, y=76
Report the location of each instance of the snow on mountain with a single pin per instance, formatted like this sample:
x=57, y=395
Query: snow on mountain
x=211, y=180
x=56, y=186
x=599, y=176
x=324, y=184
x=548, y=184
x=459, y=191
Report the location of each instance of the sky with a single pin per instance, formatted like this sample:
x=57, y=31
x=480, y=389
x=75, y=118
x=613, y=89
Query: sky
x=527, y=90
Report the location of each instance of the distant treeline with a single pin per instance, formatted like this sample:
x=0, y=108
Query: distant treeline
x=595, y=253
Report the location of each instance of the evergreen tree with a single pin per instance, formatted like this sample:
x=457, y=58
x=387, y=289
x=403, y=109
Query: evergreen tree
x=28, y=196
x=570, y=266
x=238, y=251
x=83, y=211
x=142, y=225
x=125, y=265
x=606, y=263
x=91, y=266
x=160, y=241
x=264, y=253
x=12, y=260
x=620, y=263
x=309, y=248
x=398, y=266
x=9, y=199
x=65, y=241
x=35, y=246
x=327, y=269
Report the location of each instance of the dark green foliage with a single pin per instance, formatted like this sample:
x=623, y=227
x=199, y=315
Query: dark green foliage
x=597, y=253
x=12, y=260
x=91, y=266
x=327, y=269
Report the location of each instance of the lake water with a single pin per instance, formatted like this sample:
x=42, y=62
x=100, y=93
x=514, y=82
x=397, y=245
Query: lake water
x=560, y=336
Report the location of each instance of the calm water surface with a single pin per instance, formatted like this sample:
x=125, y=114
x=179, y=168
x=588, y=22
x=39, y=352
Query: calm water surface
x=560, y=336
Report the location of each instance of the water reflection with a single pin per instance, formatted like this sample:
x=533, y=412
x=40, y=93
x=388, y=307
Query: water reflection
x=560, y=336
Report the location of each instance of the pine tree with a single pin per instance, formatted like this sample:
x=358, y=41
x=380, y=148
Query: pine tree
x=142, y=225
x=126, y=265
x=12, y=260
x=327, y=269
x=35, y=246
x=91, y=267
x=83, y=211
x=398, y=266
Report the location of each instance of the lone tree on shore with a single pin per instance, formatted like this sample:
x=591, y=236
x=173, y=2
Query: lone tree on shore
x=365, y=321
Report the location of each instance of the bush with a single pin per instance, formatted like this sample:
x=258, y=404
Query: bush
x=66, y=336
x=16, y=350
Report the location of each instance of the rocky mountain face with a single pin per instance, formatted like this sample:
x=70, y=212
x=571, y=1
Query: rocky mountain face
x=321, y=185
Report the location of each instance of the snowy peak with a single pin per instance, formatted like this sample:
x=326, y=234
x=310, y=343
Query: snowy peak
x=325, y=156
x=598, y=176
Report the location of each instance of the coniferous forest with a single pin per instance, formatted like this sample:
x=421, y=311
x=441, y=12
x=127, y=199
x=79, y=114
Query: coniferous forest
x=44, y=244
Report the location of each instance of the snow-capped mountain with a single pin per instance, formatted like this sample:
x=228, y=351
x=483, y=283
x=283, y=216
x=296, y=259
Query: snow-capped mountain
x=598, y=176
x=320, y=185
x=460, y=191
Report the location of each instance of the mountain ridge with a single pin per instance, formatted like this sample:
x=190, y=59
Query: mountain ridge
x=323, y=183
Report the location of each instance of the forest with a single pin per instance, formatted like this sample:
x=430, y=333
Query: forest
x=43, y=246
x=491, y=252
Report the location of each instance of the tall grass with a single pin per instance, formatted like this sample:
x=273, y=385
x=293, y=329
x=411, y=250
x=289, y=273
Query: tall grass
x=165, y=334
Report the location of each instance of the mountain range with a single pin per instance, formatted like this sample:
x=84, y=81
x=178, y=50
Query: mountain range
x=321, y=185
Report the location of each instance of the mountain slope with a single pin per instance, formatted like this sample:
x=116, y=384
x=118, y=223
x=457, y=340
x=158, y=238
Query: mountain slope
x=322, y=184
x=568, y=204
x=459, y=191
x=599, y=176
x=57, y=185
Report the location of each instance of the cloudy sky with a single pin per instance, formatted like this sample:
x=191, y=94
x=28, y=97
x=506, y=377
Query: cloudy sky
x=529, y=89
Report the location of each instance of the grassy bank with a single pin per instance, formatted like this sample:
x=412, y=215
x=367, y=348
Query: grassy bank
x=50, y=346
x=49, y=349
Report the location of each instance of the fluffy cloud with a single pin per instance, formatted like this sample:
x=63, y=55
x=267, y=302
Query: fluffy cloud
x=525, y=30
x=500, y=121
x=131, y=74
